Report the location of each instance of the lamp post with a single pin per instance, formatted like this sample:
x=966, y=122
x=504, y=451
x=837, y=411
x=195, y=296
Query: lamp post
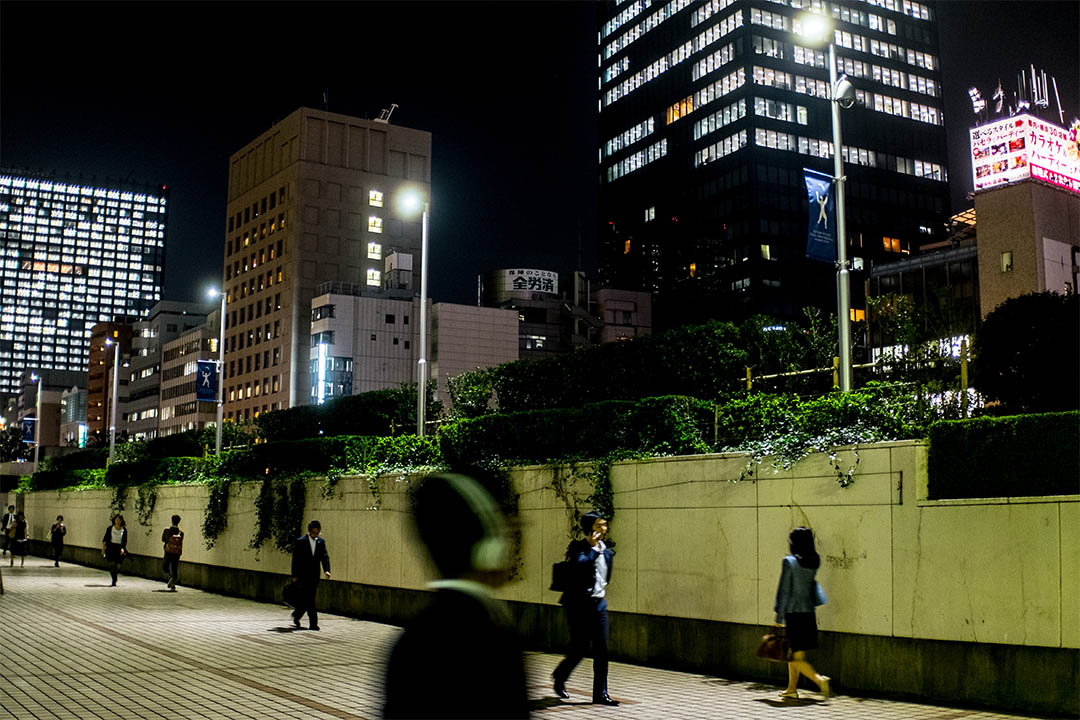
x=817, y=28
x=221, y=370
x=112, y=410
x=37, y=422
x=410, y=201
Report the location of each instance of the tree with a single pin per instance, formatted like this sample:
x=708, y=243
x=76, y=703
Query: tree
x=1028, y=353
x=12, y=447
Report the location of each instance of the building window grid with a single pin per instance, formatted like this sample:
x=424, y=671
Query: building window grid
x=624, y=40
x=719, y=119
x=629, y=137
x=712, y=62
x=852, y=155
x=720, y=149
x=637, y=161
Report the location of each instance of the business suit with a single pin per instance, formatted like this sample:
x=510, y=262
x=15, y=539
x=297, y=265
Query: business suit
x=586, y=612
x=306, y=569
x=461, y=639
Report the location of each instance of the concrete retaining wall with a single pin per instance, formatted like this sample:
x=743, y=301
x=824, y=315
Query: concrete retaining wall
x=960, y=601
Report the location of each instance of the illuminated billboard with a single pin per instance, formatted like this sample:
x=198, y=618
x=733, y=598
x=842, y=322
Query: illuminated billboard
x=518, y=280
x=1022, y=147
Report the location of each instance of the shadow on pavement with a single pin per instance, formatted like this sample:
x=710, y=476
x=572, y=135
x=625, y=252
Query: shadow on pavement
x=289, y=629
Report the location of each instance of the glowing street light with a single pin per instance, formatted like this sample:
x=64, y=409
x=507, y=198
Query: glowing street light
x=817, y=29
x=115, y=383
x=410, y=201
x=37, y=422
x=214, y=292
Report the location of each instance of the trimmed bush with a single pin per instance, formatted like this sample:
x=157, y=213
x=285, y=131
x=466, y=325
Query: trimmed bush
x=1020, y=455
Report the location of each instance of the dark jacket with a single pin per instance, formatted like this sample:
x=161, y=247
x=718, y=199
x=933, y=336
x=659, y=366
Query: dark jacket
x=305, y=566
x=582, y=558
x=112, y=550
x=458, y=641
x=57, y=533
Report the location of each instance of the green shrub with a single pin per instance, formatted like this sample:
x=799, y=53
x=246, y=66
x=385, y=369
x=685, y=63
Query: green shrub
x=1020, y=455
x=80, y=460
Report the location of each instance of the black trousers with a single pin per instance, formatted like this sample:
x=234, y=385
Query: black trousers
x=170, y=566
x=588, y=620
x=58, y=550
x=305, y=602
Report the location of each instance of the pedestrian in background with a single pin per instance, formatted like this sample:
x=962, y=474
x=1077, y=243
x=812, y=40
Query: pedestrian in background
x=18, y=539
x=309, y=553
x=56, y=537
x=6, y=525
x=796, y=598
x=114, y=546
x=463, y=640
x=586, y=607
x=173, y=540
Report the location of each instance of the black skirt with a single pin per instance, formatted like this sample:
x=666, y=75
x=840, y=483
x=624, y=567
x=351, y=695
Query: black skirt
x=801, y=631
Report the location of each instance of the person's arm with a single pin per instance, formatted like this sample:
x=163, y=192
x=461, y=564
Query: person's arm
x=123, y=542
x=325, y=559
x=297, y=568
x=105, y=540
x=165, y=535
x=783, y=592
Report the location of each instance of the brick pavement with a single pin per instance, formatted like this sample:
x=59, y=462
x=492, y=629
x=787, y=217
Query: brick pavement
x=72, y=647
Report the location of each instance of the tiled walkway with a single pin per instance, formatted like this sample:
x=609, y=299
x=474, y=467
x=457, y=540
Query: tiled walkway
x=73, y=647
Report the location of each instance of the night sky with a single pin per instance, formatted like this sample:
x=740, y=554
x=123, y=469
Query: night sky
x=164, y=93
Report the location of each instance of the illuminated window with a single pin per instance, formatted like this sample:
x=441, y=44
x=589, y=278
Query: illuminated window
x=626, y=248
x=650, y=214
x=857, y=315
x=374, y=224
x=683, y=107
x=766, y=252
x=374, y=277
x=375, y=198
x=374, y=251
x=891, y=244
x=1006, y=262
x=693, y=269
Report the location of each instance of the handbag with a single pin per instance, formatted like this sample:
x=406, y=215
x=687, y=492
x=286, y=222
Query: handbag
x=560, y=576
x=774, y=646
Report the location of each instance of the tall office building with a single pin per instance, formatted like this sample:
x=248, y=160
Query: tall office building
x=311, y=200
x=709, y=110
x=74, y=255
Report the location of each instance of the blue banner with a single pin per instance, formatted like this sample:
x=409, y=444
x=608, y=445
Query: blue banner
x=821, y=231
x=28, y=429
x=206, y=381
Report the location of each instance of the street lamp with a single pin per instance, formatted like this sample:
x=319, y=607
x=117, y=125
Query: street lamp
x=818, y=29
x=410, y=202
x=116, y=383
x=37, y=422
x=214, y=292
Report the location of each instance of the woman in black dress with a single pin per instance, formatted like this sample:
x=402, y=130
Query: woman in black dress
x=114, y=546
x=796, y=598
x=18, y=540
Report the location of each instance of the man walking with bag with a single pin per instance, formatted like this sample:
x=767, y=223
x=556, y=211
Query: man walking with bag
x=309, y=553
x=7, y=525
x=173, y=539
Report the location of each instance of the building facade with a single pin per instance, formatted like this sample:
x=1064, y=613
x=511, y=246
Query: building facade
x=74, y=254
x=180, y=411
x=708, y=112
x=54, y=384
x=99, y=381
x=311, y=200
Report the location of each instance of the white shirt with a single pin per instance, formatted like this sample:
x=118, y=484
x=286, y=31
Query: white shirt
x=600, y=566
x=312, y=541
x=117, y=536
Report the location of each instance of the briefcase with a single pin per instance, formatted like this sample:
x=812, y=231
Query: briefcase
x=290, y=594
x=560, y=576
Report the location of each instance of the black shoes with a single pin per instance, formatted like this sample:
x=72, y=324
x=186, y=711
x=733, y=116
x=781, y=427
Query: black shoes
x=296, y=623
x=313, y=627
x=560, y=688
x=605, y=699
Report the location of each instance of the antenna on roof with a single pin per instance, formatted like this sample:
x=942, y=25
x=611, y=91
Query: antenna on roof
x=384, y=114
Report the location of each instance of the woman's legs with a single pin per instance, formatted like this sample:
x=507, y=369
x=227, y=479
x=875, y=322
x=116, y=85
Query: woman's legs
x=799, y=665
x=114, y=569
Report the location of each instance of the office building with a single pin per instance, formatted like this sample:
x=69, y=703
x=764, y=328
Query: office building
x=75, y=254
x=53, y=385
x=100, y=385
x=73, y=428
x=311, y=200
x=708, y=112
x=180, y=411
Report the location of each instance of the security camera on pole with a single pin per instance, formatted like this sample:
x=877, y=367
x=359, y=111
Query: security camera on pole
x=818, y=28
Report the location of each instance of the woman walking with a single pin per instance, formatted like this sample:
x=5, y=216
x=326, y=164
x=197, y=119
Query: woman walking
x=18, y=540
x=114, y=546
x=56, y=535
x=796, y=598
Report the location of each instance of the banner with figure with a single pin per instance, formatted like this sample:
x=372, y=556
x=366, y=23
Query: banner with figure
x=821, y=231
x=206, y=381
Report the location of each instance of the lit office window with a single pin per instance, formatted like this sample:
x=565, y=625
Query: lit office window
x=374, y=277
x=374, y=251
x=375, y=198
x=374, y=224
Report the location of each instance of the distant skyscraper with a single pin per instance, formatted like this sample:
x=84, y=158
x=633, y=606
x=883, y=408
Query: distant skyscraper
x=74, y=255
x=311, y=200
x=709, y=110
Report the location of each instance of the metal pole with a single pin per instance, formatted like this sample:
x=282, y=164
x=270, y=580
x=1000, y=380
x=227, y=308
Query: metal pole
x=421, y=388
x=112, y=414
x=37, y=428
x=843, y=287
x=221, y=376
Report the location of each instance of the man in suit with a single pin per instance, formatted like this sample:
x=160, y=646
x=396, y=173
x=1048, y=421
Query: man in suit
x=7, y=522
x=464, y=636
x=309, y=553
x=586, y=607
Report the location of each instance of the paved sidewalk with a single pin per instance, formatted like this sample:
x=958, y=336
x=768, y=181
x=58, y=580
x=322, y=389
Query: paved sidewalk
x=73, y=647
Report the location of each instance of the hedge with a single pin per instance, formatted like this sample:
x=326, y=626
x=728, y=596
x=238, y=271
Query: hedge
x=1019, y=455
x=664, y=426
x=352, y=453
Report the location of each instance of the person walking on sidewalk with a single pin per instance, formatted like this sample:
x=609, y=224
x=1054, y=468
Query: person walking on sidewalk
x=173, y=540
x=309, y=553
x=6, y=525
x=796, y=598
x=586, y=607
x=464, y=636
x=114, y=546
x=56, y=537
x=18, y=539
